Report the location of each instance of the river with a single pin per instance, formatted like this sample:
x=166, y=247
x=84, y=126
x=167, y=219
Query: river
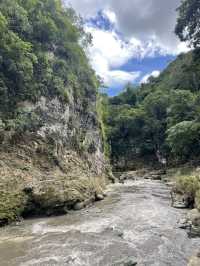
x=135, y=220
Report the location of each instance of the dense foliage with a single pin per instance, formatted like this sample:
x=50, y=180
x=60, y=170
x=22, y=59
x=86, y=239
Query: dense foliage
x=41, y=54
x=160, y=119
x=188, y=23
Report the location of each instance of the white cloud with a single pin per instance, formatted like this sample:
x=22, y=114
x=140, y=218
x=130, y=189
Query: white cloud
x=110, y=52
x=154, y=74
x=111, y=16
x=142, y=19
x=117, y=78
x=146, y=29
x=108, y=45
x=107, y=54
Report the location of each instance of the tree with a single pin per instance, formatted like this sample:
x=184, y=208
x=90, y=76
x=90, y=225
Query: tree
x=182, y=107
x=41, y=54
x=128, y=96
x=184, y=139
x=188, y=22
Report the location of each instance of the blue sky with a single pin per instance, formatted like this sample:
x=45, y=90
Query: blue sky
x=132, y=39
x=145, y=66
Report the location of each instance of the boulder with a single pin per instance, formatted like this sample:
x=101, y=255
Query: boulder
x=193, y=218
x=79, y=206
x=130, y=261
x=99, y=197
x=184, y=224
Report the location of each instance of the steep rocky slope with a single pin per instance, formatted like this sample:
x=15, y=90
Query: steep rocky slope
x=51, y=169
x=51, y=151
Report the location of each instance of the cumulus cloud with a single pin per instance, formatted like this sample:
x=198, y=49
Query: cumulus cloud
x=108, y=53
x=140, y=28
x=154, y=74
x=111, y=16
x=143, y=19
x=116, y=78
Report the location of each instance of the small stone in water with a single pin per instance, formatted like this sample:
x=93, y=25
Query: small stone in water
x=99, y=197
x=127, y=262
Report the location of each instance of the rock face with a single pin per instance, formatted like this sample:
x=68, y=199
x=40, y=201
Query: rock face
x=55, y=166
x=193, y=219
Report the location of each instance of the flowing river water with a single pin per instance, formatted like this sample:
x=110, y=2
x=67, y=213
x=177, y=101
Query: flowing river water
x=134, y=221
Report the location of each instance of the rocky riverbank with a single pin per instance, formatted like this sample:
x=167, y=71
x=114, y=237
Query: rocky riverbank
x=59, y=165
x=134, y=225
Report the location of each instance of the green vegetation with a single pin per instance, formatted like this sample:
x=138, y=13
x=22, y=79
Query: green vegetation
x=40, y=55
x=43, y=61
x=187, y=183
x=161, y=119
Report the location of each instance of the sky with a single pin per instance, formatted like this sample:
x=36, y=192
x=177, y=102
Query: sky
x=132, y=39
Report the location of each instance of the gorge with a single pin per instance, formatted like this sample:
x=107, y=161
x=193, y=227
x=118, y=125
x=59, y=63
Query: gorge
x=88, y=179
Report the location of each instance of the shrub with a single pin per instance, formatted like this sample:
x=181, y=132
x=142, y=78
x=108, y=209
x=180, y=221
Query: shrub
x=188, y=184
x=184, y=139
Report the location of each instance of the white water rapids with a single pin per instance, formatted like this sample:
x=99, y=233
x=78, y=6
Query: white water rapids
x=135, y=220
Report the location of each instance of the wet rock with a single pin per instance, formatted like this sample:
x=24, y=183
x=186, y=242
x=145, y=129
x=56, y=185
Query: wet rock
x=156, y=177
x=79, y=206
x=179, y=205
x=132, y=175
x=147, y=177
x=179, y=201
x=131, y=261
x=105, y=194
x=183, y=224
x=193, y=219
x=120, y=234
x=99, y=197
x=194, y=232
x=88, y=202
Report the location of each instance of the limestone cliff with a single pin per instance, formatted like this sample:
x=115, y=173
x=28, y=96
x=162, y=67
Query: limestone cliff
x=51, y=151
x=50, y=169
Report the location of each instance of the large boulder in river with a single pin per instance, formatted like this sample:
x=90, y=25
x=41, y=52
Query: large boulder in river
x=130, y=261
x=193, y=222
x=194, y=217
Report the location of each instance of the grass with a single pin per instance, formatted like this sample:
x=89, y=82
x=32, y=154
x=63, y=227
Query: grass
x=187, y=182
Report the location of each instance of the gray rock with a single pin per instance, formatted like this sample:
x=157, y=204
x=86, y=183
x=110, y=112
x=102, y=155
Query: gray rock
x=79, y=206
x=180, y=205
x=194, y=231
x=183, y=224
x=99, y=197
x=194, y=217
x=131, y=261
x=156, y=177
x=105, y=194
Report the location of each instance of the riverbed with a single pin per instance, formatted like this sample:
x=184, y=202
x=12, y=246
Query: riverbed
x=134, y=222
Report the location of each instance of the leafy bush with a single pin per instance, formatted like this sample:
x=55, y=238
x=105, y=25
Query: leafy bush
x=184, y=139
x=188, y=184
x=40, y=53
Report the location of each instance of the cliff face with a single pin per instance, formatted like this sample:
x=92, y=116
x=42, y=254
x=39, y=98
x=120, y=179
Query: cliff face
x=51, y=151
x=50, y=169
